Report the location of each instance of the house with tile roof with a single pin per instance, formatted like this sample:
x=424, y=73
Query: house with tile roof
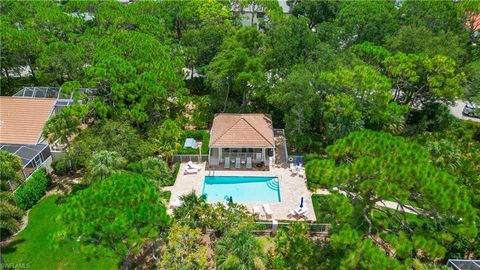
x=241, y=139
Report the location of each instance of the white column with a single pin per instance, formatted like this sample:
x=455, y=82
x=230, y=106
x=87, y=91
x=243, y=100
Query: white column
x=209, y=154
x=219, y=154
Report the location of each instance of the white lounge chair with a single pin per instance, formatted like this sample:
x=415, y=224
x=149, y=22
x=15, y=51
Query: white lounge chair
x=249, y=162
x=237, y=163
x=226, y=164
x=291, y=213
x=190, y=171
x=192, y=165
x=303, y=212
x=301, y=172
x=268, y=210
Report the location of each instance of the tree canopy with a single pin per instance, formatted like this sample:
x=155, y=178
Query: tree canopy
x=119, y=214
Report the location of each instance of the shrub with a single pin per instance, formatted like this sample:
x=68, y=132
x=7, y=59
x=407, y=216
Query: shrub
x=198, y=135
x=61, y=166
x=32, y=190
x=175, y=172
x=476, y=135
x=154, y=170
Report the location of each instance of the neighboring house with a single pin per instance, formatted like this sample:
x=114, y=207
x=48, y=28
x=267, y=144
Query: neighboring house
x=241, y=136
x=21, y=124
x=251, y=14
x=22, y=118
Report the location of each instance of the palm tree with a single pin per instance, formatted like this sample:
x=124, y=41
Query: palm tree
x=103, y=164
x=10, y=215
x=62, y=126
x=239, y=249
x=192, y=211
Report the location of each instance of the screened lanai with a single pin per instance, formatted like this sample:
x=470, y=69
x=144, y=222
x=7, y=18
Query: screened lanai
x=63, y=98
x=459, y=264
x=32, y=156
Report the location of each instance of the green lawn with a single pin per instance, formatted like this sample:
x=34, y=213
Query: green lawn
x=34, y=245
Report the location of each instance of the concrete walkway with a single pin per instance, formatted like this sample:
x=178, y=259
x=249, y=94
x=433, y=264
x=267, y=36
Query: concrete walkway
x=386, y=204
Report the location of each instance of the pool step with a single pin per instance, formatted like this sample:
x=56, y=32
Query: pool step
x=273, y=184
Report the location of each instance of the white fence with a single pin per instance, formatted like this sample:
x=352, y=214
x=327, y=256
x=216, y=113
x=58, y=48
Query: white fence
x=187, y=158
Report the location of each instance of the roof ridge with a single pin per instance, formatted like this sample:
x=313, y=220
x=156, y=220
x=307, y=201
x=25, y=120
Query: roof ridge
x=248, y=122
x=225, y=132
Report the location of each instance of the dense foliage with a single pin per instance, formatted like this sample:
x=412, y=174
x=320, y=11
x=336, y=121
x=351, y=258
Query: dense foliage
x=104, y=214
x=32, y=190
x=10, y=216
x=367, y=170
x=10, y=171
x=341, y=77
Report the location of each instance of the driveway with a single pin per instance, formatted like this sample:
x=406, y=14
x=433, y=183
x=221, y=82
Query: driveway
x=457, y=109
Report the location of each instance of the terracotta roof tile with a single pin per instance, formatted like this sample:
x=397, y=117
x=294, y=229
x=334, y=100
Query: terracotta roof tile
x=22, y=119
x=241, y=130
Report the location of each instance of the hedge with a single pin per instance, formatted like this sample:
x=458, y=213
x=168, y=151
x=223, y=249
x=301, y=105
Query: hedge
x=32, y=190
x=198, y=135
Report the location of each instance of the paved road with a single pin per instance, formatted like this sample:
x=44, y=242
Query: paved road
x=457, y=109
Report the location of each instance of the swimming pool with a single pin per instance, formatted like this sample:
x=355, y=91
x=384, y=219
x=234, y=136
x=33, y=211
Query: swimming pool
x=243, y=189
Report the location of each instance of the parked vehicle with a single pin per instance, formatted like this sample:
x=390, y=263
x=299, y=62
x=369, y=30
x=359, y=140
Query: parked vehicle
x=471, y=110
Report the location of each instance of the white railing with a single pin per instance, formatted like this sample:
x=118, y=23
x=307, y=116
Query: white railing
x=186, y=158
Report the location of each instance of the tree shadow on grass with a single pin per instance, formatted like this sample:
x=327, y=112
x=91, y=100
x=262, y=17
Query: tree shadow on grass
x=12, y=246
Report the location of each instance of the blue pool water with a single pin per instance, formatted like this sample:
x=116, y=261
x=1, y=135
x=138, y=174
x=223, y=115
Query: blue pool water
x=243, y=189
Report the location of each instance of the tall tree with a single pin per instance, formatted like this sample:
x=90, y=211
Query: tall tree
x=293, y=248
x=65, y=124
x=166, y=138
x=10, y=216
x=183, y=249
x=437, y=16
x=421, y=79
x=10, y=170
x=239, y=249
x=60, y=62
x=119, y=214
x=368, y=170
x=140, y=81
x=153, y=169
x=103, y=164
x=366, y=21
x=315, y=11
x=420, y=39
x=237, y=71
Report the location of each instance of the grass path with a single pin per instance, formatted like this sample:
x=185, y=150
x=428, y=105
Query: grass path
x=34, y=246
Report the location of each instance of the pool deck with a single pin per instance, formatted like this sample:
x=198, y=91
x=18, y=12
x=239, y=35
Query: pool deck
x=292, y=188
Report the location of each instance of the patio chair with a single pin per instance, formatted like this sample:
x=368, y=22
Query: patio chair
x=303, y=212
x=301, y=173
x=249, y=162
x=190, y=171
x=192, y=165
x=268, y=210
x=226, y=164
x=237, y=163
x=291, y=213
